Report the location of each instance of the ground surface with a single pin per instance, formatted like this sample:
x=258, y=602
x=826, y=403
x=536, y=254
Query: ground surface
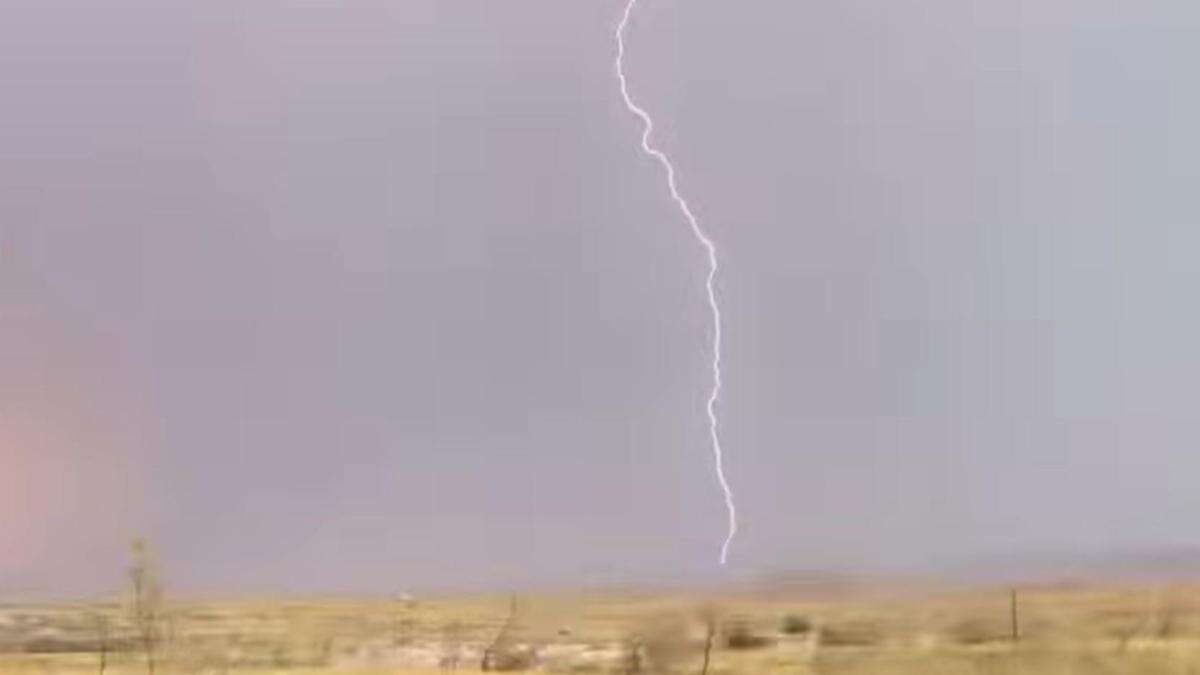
x=1062, y=630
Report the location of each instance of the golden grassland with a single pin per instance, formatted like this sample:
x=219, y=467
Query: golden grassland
x=1061, y=630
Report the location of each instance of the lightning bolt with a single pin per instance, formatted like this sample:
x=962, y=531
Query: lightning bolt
x=709, y=285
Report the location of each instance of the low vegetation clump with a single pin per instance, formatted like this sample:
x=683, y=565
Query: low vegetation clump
x=740, y=635
x=795, y=624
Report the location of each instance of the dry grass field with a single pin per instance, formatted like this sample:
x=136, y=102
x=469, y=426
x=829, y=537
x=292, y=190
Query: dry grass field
x=1083, y=630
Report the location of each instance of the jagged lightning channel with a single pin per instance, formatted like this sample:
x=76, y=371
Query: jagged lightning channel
x=709, y=285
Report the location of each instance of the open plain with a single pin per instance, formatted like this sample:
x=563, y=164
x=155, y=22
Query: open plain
x=1059, y=629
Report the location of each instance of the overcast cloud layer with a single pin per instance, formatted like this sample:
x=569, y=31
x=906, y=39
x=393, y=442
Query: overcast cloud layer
x=370, y=295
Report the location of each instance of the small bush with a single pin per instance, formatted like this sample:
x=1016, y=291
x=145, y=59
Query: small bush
x=794, y=624
x=740, y=636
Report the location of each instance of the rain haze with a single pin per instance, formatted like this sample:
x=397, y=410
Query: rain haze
x=360, y=296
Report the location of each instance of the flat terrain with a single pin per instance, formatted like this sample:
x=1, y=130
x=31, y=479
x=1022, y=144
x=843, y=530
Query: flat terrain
x=1062, y=630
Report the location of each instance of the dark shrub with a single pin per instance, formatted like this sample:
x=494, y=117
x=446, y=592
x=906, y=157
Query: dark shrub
x=740, y=636
x=794, y=624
